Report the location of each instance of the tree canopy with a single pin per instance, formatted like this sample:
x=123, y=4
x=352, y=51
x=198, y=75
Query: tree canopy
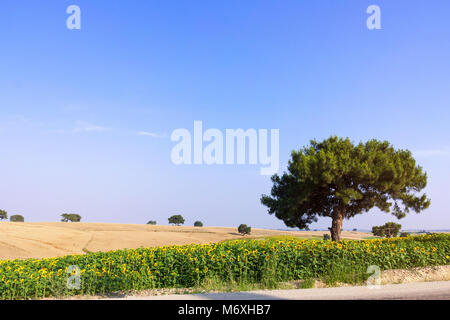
x=335, y=178
x=244, y=229
x=72, y=217
x=389, y=230
x=176, y=219
x=16, y=218
x=3, y=215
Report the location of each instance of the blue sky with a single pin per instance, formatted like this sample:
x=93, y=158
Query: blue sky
x=72, y=102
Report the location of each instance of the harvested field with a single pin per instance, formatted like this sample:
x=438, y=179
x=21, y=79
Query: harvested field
x=55, y=239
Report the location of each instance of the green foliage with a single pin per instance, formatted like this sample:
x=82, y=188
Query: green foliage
x=244, y=261
x=176, y=219
x=326, y=237
x=389, y=230
x=16, y=218
x=308, y=283
x=244, y=229
x=345, y=273
x=404, y=234
x=72, y=217
x=3, y=215
x=152, y=222
x=198, y=224
x=335, y=178
x=377, y=231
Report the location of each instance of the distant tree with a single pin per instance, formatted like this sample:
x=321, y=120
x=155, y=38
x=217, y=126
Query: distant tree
x=176, y=219
x=198, y=224
x=16, y=218
x=338, y=179
x=377, y=231
x=3, y=215
x=151, y=222
x=392, y=229
x=354, y=229
x=244, y=229
x=389, y=230
x=72, y=217
x=404, y=234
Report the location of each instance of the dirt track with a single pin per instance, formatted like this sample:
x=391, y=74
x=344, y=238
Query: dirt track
x=54, y=239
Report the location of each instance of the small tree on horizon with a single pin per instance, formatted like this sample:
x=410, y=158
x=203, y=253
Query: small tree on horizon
x=388, y=230
x=152, y=222
x=176, y=219
x=337, y=179
x=244, y=229
x=72, y=217
x=198, y=224
x=16, y=218
x=3, y=215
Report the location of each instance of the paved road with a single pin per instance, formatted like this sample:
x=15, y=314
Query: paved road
x=439, y=290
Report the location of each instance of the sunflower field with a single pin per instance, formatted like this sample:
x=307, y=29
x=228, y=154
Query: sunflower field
x=188, y=265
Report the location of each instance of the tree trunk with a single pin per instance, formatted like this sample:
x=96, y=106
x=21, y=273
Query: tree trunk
x=336, y=225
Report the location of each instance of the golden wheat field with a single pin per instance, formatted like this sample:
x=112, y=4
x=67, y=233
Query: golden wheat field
x=55, y=239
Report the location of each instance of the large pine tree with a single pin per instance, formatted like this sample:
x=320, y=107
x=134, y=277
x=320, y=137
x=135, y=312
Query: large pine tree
x=337, y=179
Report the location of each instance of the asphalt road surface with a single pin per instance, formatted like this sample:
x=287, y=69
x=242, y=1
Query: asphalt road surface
x=439, y=290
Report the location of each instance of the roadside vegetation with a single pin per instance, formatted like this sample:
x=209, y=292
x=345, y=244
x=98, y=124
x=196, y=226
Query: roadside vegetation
x=251, y=262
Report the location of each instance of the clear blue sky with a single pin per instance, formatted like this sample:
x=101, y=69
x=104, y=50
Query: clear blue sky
x=73, y=101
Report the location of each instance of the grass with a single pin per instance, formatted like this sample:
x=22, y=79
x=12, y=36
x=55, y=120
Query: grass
x=215, y=284
x=218, y=285
x=343, y=273
x=307, y=283
x=208, y=285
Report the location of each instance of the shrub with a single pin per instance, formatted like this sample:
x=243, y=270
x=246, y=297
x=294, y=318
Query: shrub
x=198, y=224
x=3, y=215
x=326, y=237
x=16, y=218
x=151, y=222
x=176, y=219
x=244, y=229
